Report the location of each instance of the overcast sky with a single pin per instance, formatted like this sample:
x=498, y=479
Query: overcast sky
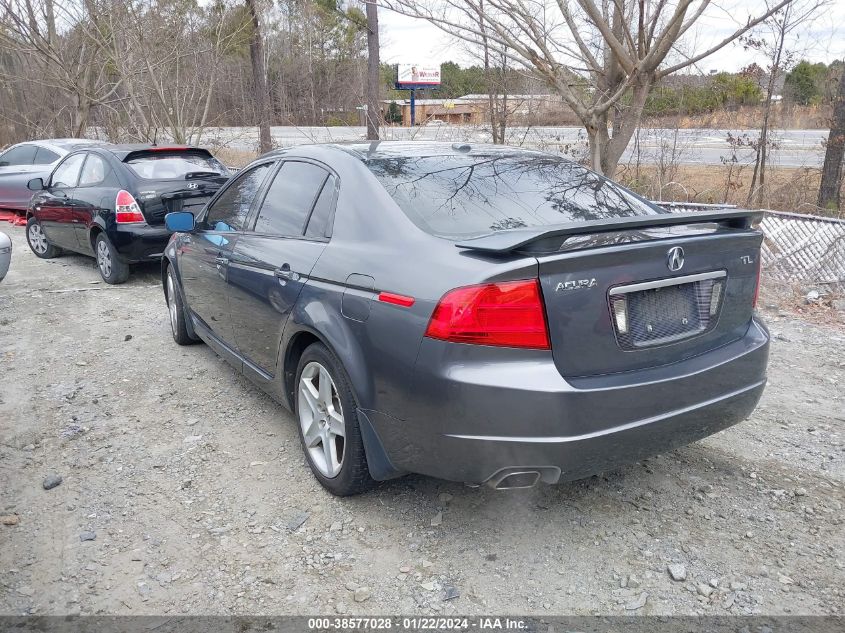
x=409, y=40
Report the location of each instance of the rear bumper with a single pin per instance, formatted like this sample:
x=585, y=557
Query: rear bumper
x=474, y=418
x=139, y=242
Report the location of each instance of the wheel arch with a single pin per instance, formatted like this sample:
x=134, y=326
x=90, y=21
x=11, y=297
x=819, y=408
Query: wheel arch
x=93, y=233
x=380, y=465
x=166, y=263
x=311, y=324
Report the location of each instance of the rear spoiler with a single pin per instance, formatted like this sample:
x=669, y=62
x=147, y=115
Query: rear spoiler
x=165, y=149
x=514, y=239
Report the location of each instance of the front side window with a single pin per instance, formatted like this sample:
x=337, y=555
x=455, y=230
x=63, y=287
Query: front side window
x=290, y=198
x=67, y=173
x=93, y=172
x=21, y=155
x=230, y=210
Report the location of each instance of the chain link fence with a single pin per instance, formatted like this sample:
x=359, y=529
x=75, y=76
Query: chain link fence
x=796, y=248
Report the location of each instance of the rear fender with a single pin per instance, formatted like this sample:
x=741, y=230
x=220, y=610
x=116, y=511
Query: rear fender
x=310, y=317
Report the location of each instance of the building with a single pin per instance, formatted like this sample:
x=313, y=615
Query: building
x=453, y=111
x=473, y=108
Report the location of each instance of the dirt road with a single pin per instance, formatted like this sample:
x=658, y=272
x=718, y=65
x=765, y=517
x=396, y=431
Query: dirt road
x=184, y=490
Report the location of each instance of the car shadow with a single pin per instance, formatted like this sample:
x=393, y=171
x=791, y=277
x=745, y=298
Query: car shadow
x=702, y=477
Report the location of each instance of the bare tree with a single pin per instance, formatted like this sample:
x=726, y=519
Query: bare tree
x=67, y=66
x=166, y=62
x=603, y=60
x=373, y=74
x=259, y=78
x=778, y=29
x=495, y=79
x=831, y=185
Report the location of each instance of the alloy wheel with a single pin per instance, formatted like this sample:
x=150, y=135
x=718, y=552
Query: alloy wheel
x=104, y=258
x=37, y=239
x=321, y=419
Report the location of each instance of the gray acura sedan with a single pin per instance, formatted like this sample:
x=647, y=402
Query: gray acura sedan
x=477, y=313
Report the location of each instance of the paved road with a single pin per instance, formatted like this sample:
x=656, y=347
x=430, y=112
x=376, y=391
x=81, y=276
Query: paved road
x=795, y=148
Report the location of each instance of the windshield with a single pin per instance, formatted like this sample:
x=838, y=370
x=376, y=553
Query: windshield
x=167, y=166
x=460, y=196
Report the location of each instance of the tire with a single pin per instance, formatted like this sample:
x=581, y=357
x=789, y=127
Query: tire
x=342, y=467
x=112, y=269
x=178, y=323
x=38, y=242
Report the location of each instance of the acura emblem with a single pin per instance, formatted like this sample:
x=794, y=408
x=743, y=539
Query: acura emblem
x=675, y=260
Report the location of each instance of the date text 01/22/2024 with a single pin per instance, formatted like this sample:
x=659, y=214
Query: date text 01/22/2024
x=417, y=624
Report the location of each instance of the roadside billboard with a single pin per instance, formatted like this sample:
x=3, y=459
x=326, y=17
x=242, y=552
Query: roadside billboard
x=417, y=75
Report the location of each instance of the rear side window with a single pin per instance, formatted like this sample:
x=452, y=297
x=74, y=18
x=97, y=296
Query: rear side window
x=290, y=199
x=94, y=172
x=162, y=165
x=67, y=173
x=230, y=210
x=465, y=195
x=321, y=216
x=22, y=155
x=44, y=156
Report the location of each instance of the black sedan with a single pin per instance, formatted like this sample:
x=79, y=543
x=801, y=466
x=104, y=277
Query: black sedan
x=481, y=314
x=110, y=201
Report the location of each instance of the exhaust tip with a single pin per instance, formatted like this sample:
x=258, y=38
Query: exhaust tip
x=515, y=479
x=522, y=477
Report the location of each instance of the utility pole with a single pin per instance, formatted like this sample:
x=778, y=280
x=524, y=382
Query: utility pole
x=373, y=109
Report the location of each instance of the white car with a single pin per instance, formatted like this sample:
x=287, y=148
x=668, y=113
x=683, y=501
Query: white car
x=5, y=254
x=33, y=159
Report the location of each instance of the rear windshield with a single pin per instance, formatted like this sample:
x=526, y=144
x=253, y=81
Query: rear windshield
x=174, y=165
x=460, y=196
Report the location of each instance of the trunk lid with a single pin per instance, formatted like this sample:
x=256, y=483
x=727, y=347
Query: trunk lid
x=160, y=197
x=174, y=178
x=615, y=307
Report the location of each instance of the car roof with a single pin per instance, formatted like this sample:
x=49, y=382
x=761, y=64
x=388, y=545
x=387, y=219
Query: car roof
x=62, y=145
x=375, y=150
x=68, y=143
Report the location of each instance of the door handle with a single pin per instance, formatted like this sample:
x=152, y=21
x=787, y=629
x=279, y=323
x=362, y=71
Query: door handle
x=284, y=272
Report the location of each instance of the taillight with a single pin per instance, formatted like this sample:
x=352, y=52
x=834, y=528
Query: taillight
x=757, y=284
x=505, y=314
x=126, y=209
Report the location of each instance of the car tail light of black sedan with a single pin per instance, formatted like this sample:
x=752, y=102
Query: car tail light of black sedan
x=109, y=202
x=480, y=314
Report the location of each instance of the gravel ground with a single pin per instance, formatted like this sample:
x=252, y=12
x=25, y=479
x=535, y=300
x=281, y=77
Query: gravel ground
x=184, y=490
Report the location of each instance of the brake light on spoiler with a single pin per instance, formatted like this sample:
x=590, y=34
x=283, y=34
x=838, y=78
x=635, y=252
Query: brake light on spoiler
x=127, y=210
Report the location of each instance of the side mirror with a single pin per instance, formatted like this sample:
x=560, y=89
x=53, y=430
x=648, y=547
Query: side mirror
x=36, y=184
x=179, y=222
